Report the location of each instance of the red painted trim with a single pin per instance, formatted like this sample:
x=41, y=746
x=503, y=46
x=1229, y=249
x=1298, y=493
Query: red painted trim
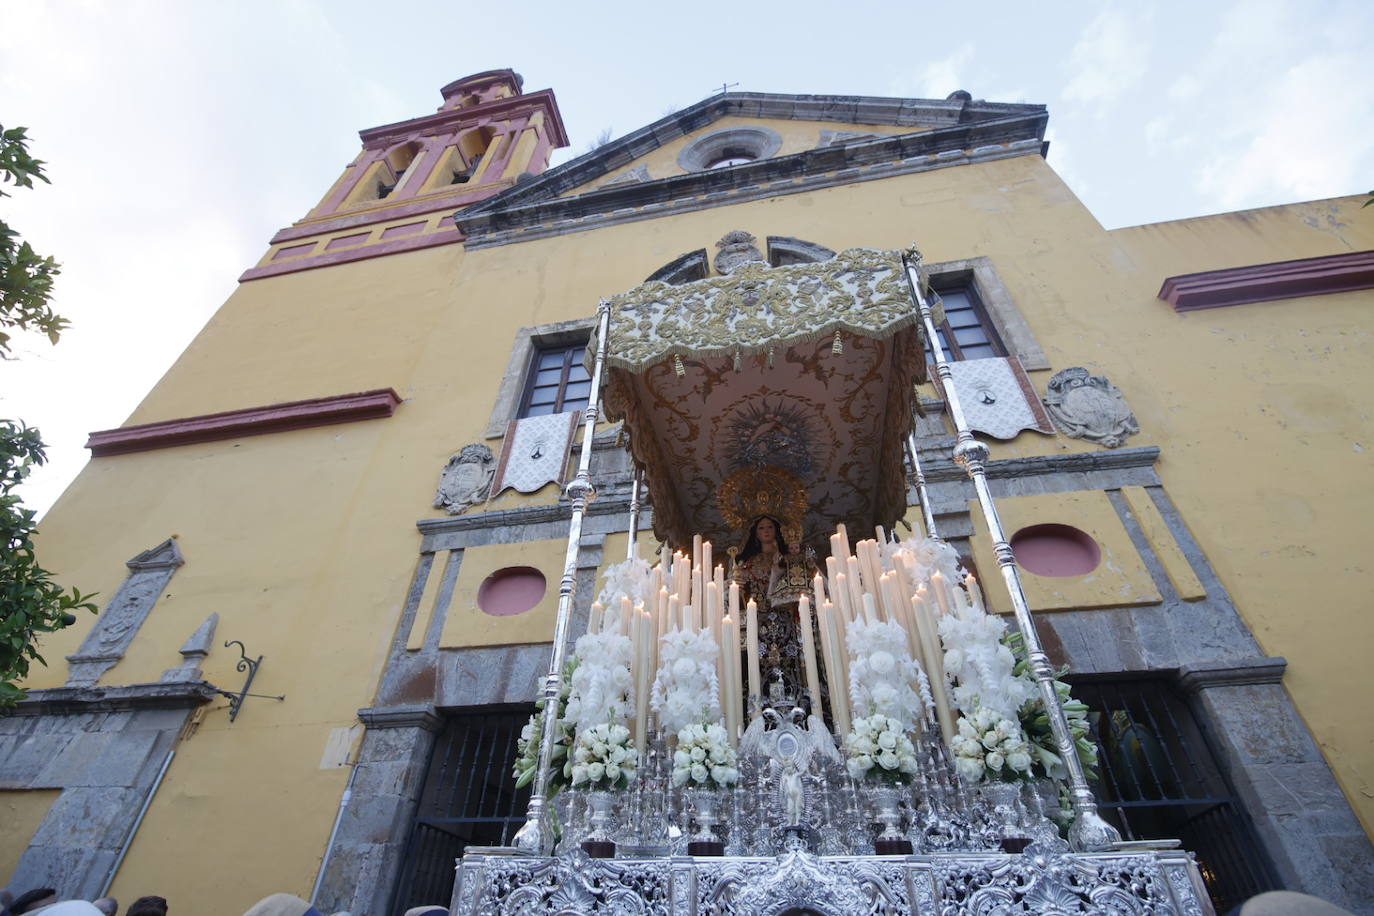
x=420, y=205
x=1264, y=282
x=506, y=109
x=251, y=421
x=361, y=253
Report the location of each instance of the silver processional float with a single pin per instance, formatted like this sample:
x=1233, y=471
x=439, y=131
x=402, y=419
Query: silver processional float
x=858, y=735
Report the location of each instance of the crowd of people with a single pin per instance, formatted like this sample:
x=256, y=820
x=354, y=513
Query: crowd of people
x=45, y=900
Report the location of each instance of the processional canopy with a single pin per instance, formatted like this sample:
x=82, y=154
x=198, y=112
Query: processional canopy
x=805, y=371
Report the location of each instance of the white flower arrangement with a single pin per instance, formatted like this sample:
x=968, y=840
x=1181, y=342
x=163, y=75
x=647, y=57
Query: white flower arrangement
x=883, y=677
x=984, y=668
x=531, y=736
x=685, y=690
x=704, y=757
x=877, y=747
x=934, y=555
x=628, y=578
x=602, y=758
x=991, y=748
x=601, y=684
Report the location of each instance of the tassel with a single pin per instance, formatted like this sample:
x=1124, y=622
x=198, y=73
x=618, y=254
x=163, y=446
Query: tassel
x=771, y=350
x=838, y=346
x=678, y=367
x=737, y=361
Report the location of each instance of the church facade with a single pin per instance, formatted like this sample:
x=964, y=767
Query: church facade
x=330, y=539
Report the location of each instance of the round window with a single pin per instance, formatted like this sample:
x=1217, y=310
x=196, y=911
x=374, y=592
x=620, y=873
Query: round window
x=510, y=591
x=1056, y=550
x=731, y=146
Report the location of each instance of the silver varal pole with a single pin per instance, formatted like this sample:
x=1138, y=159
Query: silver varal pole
x=922, y=493
x=1088, y=831
x=534, y=837
x=634, y=513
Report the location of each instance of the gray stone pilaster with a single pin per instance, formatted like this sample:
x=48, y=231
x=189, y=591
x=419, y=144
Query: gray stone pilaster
x=103, y=747
x=378, y=809
x=1299, y=811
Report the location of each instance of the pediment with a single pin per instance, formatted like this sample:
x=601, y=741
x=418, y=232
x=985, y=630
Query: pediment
x=793, y=136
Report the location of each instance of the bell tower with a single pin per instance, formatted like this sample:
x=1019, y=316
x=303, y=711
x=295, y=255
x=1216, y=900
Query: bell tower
x=400, y=191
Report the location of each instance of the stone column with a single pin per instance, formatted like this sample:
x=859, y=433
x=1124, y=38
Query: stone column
x=385, y=791
x=1302, y=817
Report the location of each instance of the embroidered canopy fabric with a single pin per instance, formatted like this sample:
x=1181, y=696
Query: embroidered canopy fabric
x=861, y=291
x=763, y=386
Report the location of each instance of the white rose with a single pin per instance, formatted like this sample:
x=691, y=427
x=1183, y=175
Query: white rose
x=1019, y=761
x=907, y=764
x=579, y=774
x=596, y=771
x=619, y=734
x=861, y=727
x=966, y=728
x=855, y=771
x=864, y=746
x=680, y=775
x=865, y=762
x=887, y=741
x=717, y=754
x=990, y=741
x=882, y=662
x=969, y=768
x=698, y=754
x=698, y=772
x=995, y=760
x=682, y=759
x=887, y=760
x=612, y=772
x=721, y=775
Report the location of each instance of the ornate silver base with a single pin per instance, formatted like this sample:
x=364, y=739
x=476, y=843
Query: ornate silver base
x=1148, y=883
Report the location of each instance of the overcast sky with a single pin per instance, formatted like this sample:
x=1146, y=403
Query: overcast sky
x=180, y=135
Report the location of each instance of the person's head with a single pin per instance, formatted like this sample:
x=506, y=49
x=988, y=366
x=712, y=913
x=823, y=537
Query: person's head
x=31, y=900
x=765, y=536
x=147, y=906
x=107, y=905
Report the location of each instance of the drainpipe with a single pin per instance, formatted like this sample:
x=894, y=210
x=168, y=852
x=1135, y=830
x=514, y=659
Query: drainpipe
x=129, y=837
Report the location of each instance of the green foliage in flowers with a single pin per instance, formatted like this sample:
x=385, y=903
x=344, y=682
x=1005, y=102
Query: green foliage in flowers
x=1035, y=721
x=532, y=735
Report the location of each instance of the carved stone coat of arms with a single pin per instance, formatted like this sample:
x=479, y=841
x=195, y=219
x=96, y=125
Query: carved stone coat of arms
x=1086, y=406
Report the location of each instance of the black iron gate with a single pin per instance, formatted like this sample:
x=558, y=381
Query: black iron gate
x=1159, y=780
x=469, y=799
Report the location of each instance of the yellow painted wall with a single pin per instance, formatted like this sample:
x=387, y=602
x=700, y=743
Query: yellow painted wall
x=1257, y=409
x=21, y=811
x=1120, y=579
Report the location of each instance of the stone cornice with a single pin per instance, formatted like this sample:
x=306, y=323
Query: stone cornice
x=916, y=113
x=250, y=421
x=454, y=118
x=1245, y=672
x=1265, y=282
x=531, y=210
x=940, y=470
x=72, y=701
x=423, y=717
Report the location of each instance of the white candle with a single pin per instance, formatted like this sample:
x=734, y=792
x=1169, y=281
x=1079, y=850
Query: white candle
x=940, y=586
x=813, y=677
x=839, y=678
x=594, y=621
x=870, y=608
x=730, y=691
x=974, y=592
x=751, y=637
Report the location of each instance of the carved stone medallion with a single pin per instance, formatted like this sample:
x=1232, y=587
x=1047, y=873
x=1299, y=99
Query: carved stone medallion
x=737, y=248
x=466, y=479
x=1086, y=406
